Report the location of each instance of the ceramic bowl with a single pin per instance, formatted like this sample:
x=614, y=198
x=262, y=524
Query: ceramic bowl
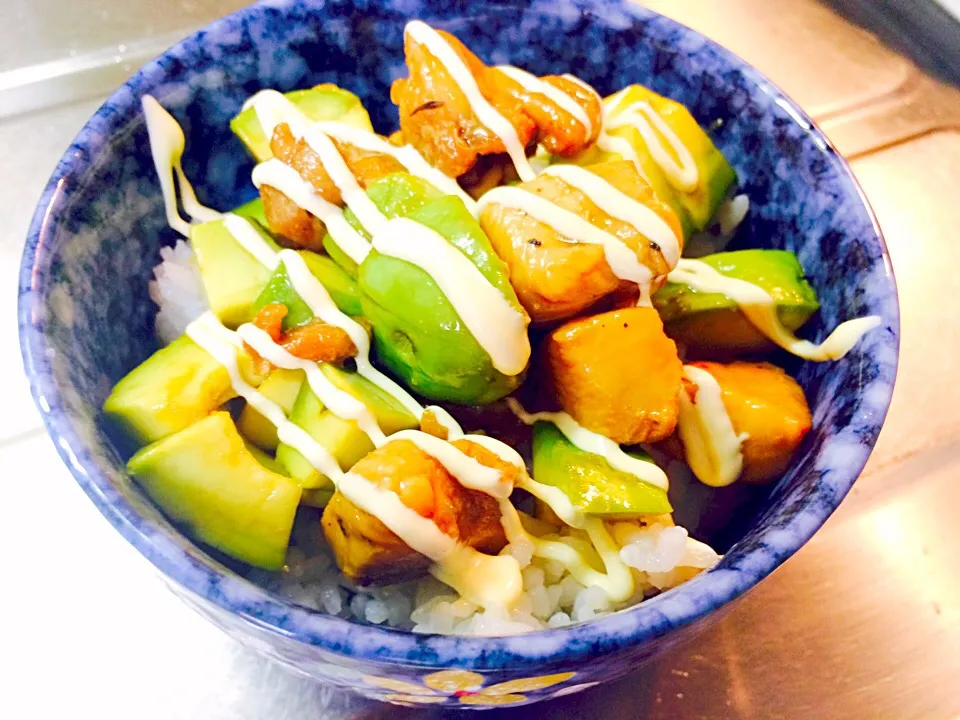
x=86, y=319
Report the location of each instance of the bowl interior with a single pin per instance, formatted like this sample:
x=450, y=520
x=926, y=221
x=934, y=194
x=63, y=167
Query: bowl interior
x=86, y=316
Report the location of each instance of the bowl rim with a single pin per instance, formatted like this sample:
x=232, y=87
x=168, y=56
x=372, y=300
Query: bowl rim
x=232, y=593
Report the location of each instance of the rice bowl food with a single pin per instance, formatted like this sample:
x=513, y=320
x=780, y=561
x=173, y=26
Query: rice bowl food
x=428, y=380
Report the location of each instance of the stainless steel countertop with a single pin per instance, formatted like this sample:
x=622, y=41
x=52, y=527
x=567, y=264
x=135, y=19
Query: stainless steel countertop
x=863, y=622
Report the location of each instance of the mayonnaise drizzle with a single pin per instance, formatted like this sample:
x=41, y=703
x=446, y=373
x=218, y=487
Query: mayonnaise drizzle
x=284, y=178
x=250, y=240
x=623, y=260
x=622, y=147
x=485, y=112
x=622, y=207
x=592, y=442
x=207, y=332
x=471, y=473
x=315, y=295
x=336, y=167
x=272, y=109
x=339, y=402
x=167, y=144
x=682, y=173
x=586, y=86
x=760, y=309
x=567, y=103
x=498, y=326
x=484, y=579
x=617, y=582
x=406, y=155
x=710, y=442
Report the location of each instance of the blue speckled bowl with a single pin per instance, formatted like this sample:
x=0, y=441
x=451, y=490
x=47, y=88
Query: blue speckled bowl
x=85, y=318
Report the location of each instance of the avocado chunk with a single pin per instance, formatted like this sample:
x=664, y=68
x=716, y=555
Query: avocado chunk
x=397, y=195
x=317, y=497
x=711, y=323
x=282, y=387
x=342, y=438
x=418, y=334
x=232, y=277
x=343, y=290
x=593, y=485
x=323, y=102
x=253, y=210
x=267, y=460
x=206, y=479
x=715, y=175
x=390, y=415
x=172, y=389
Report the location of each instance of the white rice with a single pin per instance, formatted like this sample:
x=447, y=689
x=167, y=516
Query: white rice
x=177, y=291
x=661, y=556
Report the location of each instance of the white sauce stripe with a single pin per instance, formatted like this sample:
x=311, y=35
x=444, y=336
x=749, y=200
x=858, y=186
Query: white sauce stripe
x=617, y=582
x=272, y=109
x=336, y=167
x=339, y=402
x=445, y=419
x=500, y=449
x=682, y=173
x=207, y=332
x=592, y=442
x=498, y=326
x=485, y=112
x=710, y=442
x=166, y=146
x=469, y=472
x=425, y=536
x=500, y=335
x=557, y=500
x=621, y=146
x=251, y=240
x=315, y=295
x=622, y=259
x=760, y=309
x=567, y=103
x=586, y=86
x=288, y=181
x=484, y=579
x=622, y=207
x=406, y=155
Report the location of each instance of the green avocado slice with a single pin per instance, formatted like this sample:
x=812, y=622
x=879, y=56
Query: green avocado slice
x=323, y=102
x=342, y=438
x=281, y=387
x=343, y=290
x=593, y=485
x=253, y=210
x=174, y=388
x=716, y=177
x=711, y=323
x=206, y=479
x=232, y=277
x=418, y=334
